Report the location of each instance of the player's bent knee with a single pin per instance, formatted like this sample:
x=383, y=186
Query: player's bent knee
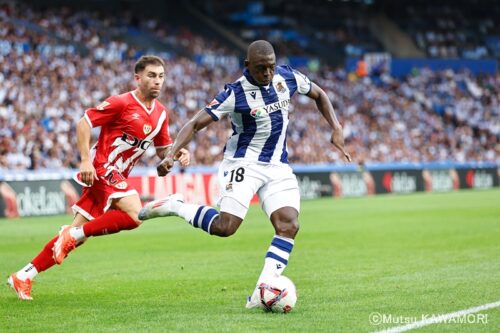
x=285, y=222
x=223, y=229
x=288, y=228
x=134, y=216
x=130, y=205
x=225, y=225
x=226, y=232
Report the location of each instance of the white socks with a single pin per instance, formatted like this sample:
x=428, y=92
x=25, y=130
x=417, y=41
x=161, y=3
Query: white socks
x=276, y=258
x=198, y=216
x=77, y=233
x=27, y=272
x=188, y=211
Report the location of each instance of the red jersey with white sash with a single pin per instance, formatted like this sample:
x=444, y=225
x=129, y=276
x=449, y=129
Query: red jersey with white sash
x=128, y=128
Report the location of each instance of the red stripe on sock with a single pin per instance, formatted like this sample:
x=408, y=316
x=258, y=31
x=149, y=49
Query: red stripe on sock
x=111, y=222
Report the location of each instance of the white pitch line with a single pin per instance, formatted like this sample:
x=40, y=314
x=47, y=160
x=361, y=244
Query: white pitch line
x=440, y=318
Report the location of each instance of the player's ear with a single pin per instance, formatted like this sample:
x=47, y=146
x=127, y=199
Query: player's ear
x=137, y=77
x=247, y=63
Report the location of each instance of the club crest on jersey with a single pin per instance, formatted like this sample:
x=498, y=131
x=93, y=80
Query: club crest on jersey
x=102, y=106
x=147, y=128
x=280, y=87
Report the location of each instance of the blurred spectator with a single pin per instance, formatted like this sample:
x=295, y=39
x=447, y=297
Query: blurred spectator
x=447, y=28
x=45, y=86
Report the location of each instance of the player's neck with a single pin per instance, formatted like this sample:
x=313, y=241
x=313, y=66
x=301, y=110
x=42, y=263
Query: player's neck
x=148, y=102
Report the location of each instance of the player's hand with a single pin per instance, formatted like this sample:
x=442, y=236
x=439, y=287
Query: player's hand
x=338, y=141
x=165, y=165
x=87, y=172
x=183, y=157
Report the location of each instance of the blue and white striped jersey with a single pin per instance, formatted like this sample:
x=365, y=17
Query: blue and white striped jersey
x=259, y=115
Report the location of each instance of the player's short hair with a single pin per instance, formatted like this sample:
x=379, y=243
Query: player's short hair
x=259, y=47
x=145, y=60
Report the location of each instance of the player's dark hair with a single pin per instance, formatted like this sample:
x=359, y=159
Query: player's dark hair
x=143, y=61
x=261, y=47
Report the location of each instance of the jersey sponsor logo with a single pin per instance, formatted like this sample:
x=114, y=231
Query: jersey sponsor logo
x=135, y=142
x=257, y=112
x=270, y=108
x=102, y=106
x=147, y=128
x=280, y=87
x=277, y=106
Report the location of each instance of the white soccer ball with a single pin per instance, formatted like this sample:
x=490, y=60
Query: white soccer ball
x=278, y=295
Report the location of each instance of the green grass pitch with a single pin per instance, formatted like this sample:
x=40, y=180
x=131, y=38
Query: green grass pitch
x=405, y=255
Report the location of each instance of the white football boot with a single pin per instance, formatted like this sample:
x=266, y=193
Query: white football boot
x=168, y=206
x=254, y=301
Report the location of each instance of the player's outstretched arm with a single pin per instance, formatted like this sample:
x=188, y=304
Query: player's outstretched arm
x=201, y=120
x=325, y=107
x=87, y=170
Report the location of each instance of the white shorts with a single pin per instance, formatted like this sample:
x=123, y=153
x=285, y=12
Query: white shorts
x=276, y=186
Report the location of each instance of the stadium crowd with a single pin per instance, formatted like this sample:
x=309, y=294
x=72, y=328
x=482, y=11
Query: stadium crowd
x=45, y=86
x=448, y=28
x=298, y=27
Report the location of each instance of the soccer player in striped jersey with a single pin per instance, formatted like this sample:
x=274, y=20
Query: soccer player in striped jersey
x=255, y=157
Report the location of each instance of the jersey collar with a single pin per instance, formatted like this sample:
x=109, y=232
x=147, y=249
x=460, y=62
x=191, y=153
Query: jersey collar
x=144, y=106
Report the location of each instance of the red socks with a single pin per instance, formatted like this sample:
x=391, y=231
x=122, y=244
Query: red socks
x=44, y=260
x=110, y=222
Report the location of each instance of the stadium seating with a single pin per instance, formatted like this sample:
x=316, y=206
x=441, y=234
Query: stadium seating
x=449, y=29
x=53, y=67
x=298, y=27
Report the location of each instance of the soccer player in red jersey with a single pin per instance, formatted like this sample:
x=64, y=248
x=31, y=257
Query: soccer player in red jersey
x=130, y=123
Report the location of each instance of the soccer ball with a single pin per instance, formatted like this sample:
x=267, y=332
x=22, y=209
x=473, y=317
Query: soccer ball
x=278, y=295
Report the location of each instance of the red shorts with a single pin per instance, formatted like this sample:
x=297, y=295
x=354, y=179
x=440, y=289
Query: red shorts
x=97, y=199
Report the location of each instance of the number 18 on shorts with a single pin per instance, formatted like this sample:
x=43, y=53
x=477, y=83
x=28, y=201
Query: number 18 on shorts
x=276, y=186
